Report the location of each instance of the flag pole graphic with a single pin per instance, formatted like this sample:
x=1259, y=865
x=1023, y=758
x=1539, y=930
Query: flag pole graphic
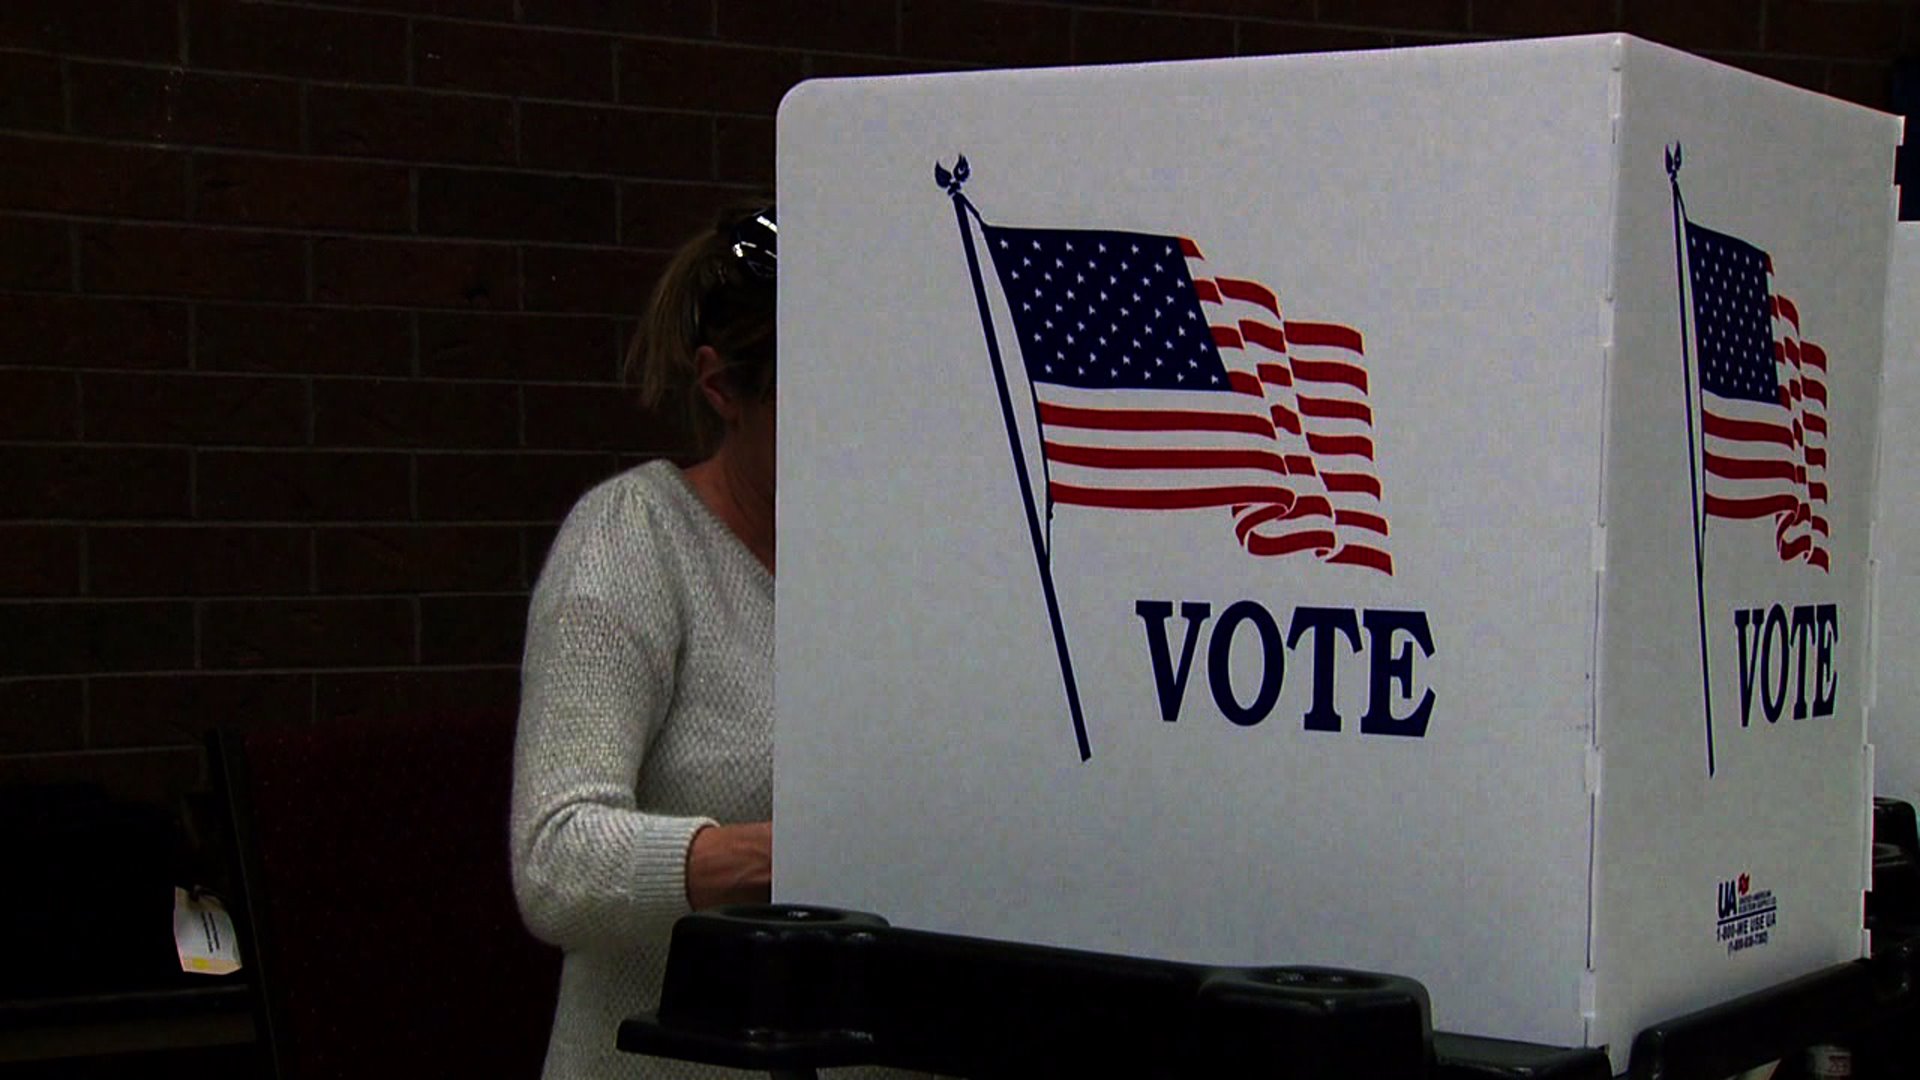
x=1693, y=457
x=951, y=183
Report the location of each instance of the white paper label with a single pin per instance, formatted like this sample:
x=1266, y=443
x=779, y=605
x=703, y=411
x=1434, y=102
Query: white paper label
x=203, y=934
x=1829, y=1062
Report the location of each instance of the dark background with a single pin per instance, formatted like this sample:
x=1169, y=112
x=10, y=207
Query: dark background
x=311, y=313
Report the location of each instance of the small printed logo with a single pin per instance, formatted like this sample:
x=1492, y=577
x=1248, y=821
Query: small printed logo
x=1746, y=915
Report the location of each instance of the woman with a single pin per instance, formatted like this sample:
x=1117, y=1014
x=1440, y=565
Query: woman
x=643, y=768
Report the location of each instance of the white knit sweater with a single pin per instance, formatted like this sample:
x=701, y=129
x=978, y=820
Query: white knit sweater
x=646, y=711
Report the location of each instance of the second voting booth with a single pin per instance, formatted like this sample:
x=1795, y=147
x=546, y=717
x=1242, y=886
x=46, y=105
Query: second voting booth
x=1896, y=701
x=1404, y=511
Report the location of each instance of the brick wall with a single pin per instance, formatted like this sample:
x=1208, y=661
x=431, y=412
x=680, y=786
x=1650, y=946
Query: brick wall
x=310, y=312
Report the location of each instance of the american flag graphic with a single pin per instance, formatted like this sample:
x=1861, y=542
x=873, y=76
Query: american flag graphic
x=1763, y=398
x=1160, y=385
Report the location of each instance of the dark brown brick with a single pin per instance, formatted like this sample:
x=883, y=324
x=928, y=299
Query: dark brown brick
x=682, y=459
x=246, y=190
x=234, y=410
x=306, y=633
x=472, y=629
x=1272, y=39
x=197, y=560
x=1414, y=39
x=720, y=78
x=93, y=483
x=126, y=29
x=409, y=125
x=148, y=730
x=82, y=637
x=538, y=348
x=320, y=341
x=41, y=716
x=664, y=216
x=595, y=418
x=1705, y=24
x=464, y=202
x=69, y=331
x=1301, y=10
x=157, y=777
x=1108, y=37
x=841, y=66
x=665, y=18
x=39, y=254
x=590, y=281
x=41, y=406
x=512, y=60
x=178, y=710
x=985, y=31
x=41, y=560
x=416, y=693
x=413, y=559
x=179, y=261
x=415, y=273
x=238, y=485
x=1398, y=14
x=1508, y=18
x=407, y=412
x=1804, y=73
x=1837, y=28
x=30, y=97
x=626, y=142
x=840, y=25
x=743, y=150
x=538, y=540
x=66, y=176
x=311, y=43
x=506, y=487
x=1863, y=84
x=186, y=108
x=489, y=10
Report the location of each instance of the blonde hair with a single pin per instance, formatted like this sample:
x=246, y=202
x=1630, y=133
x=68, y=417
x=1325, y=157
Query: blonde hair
x=705, y=297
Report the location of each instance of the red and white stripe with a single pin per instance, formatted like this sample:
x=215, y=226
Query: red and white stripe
x=1768, y=460
x=1313, y=381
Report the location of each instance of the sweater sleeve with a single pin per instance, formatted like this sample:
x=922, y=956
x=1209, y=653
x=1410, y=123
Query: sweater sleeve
x=590, y=868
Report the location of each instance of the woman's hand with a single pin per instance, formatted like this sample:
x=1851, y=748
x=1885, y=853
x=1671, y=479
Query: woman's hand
x=730, y=864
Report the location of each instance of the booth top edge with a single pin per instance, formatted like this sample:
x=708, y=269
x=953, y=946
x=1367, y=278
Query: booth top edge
x=1607, y=48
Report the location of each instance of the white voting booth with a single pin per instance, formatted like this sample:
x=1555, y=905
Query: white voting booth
x=1896, y=703
x=1403, y=511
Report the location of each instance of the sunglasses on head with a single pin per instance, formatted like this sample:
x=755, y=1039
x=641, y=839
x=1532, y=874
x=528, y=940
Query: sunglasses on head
x=752, y=246
x=756, y=243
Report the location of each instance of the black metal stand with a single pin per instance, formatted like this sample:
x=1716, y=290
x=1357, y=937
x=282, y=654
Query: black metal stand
x=1839, y=1005
x=789, y=990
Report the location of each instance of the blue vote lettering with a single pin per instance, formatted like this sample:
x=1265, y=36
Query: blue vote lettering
x=1388, y=667
x=1169, y=681
x=1772, y=644
x=1323, y=622
x=1273, y=667
x=1391, y=643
